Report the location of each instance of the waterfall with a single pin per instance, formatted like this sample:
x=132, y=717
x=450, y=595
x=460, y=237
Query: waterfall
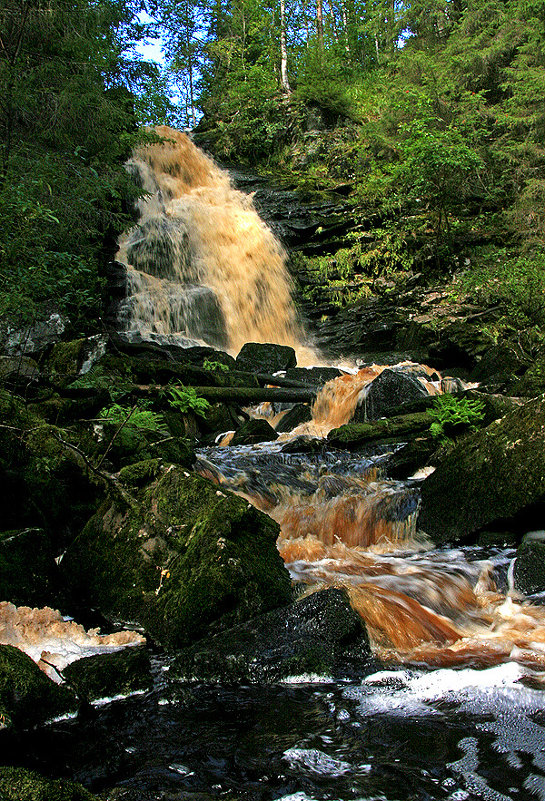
x=201, y=264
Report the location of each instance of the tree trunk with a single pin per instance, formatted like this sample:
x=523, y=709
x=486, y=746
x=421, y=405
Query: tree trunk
x=284, y=81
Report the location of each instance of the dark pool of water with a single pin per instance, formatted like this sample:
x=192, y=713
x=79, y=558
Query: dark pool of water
x=298, y=743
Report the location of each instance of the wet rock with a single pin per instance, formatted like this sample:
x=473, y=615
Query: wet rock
x=27, y=695
x=304, y=444
x=254, y=431
x=107, y=675
x=28, y=572
x=300, y=413
x=220, y=418
x=388, y=393
x=19, y=784
x=265, y=357
x=529, y=572
x=320, y=634
x=187, y=559
x=492, y=475
x=314, y=376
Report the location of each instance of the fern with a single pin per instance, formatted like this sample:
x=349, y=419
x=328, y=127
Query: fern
x=451, y=414
x=185, y=399
x=140, y=417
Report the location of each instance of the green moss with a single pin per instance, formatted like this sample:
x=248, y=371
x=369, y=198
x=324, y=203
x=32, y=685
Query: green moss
x=64, y=359
x=190, y=559
x=27, y=695
x=18, y=784
x=140, y=473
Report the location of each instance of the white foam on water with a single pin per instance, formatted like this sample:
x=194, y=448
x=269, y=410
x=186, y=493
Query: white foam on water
x=503, y=704
x=316, y=761
x=307, y=678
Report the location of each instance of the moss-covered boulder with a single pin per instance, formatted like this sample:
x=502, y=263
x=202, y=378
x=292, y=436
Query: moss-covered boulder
x=107, y=675
x=254, y=431
x=320, y=634
x=28, y=572
x=492, y=475
x=18, y=784
x=28, y=696
x=532, y=383
x=529, y=572
x=188, y=559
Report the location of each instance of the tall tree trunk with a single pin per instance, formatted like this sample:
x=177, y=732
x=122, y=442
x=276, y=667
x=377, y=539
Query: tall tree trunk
x=320, y=24
x=284, y=80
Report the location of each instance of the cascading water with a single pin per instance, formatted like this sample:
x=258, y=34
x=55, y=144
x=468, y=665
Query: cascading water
x=202, y=266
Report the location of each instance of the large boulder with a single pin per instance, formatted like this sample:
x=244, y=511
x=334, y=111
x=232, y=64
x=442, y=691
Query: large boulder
x=388, y=393
x=493, y=475
x=265, y=357
x=253, y=431
x=28, y=696
x=186, y=559
x=320, y=634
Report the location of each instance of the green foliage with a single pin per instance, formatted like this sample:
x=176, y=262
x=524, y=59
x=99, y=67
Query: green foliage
x=215, y=367
x=138, y=417
x=185, y=399
x=514, y=283
x=451, y=415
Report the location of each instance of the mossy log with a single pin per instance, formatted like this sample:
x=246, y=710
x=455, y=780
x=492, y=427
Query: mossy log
x=354, y=435
x=243, y=395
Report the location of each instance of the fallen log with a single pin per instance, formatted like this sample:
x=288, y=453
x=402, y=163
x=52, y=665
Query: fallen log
x=240, y=395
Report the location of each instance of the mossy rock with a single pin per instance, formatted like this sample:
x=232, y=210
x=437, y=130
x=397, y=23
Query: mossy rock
x=141, y=473
x=28, y=572
x=320, y=634
x=189, y=559
x=253, y=431
x=107, y=675
x=300, y=413
x=27, y=695
x=489, y=477
x=18, y=784
x=529, y=572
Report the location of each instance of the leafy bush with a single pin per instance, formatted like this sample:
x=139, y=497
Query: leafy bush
x=185, y=399
x=452, y=415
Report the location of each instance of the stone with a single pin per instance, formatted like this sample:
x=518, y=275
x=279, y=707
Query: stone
x=35, y=338
x=253, y=431
x=264, y=357
x=319, y=634
x=188, y=559
x=300, y=413
x=492, y=475
x=18, y=371
x=27, y=695
x=19, y=784
x=529, y=574
x=108, y=675
x=354, y=435
x=387, y=393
